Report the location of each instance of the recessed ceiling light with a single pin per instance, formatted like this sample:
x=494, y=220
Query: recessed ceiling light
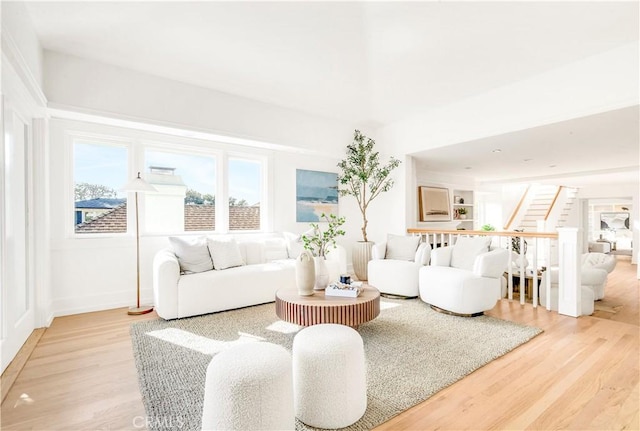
x=467, y=167
x=497, y=150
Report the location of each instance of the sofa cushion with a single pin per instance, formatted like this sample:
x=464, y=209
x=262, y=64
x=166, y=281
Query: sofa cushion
x=466, y=249
x=192, y=253
x=225, y=253
x=275, y=249
x=402, y=247
x=252, y=252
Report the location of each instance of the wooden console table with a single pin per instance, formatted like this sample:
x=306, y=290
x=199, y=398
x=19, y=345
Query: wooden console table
x=318, y=308
x=528, y=283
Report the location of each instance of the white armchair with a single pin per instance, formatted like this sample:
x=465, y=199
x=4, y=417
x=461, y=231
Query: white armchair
x=591, y=280
x=597, y=261
x=395, y=264
x=464, y=279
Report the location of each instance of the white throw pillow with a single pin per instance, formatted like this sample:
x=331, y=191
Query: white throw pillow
x=225, y=253
x=294, y=243
x=192, y=253
x=402, y=247
x=467, y=249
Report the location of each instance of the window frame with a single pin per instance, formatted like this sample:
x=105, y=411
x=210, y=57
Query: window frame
x=263, y=160
x=72, y=139
x=165, y=147
x=136, y=145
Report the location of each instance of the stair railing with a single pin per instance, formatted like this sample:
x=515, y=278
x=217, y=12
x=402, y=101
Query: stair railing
x=553, y=202
x=517, y=209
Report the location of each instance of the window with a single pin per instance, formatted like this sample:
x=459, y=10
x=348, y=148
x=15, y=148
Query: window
x=99, y=171
x=188, y=178
x=245, y=186
x=186, y=197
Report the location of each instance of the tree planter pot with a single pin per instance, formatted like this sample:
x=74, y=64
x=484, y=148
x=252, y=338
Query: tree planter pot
x=361, y=255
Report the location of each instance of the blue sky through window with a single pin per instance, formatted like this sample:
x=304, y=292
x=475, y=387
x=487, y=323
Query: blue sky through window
x=245, y=180
x=100, y=164
x=107, y=165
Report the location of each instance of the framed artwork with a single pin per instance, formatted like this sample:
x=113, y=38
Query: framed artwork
x=316, y=193
x=614, y=220
x=434, y=204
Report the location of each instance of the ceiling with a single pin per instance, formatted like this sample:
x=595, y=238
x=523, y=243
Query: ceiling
x=368, y=63
x=577, y=152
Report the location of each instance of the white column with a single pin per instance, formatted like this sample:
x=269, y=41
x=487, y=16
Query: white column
x=523, y=273
x=41, y=208
x=569, y=295
x=509, y=271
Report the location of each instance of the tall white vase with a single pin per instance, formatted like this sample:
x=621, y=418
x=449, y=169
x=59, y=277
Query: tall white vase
x=322, y=273
x=360, y=256
x=305, y=273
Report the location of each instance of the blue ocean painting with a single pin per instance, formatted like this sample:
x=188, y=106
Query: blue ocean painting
x=316, y=193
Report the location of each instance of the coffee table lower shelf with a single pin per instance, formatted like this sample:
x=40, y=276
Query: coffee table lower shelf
x=318, y=308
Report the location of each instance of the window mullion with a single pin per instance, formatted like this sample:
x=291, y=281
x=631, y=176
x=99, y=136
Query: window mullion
x=222, y=204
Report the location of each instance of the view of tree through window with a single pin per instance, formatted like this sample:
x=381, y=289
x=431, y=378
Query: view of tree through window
x=99, y=171
x=245, y=185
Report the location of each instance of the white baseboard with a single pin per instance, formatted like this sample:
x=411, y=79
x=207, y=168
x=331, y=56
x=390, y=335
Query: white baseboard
x=89, y=303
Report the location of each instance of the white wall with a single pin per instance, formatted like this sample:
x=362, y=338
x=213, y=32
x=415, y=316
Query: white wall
x=19, y=37
x=88, y=86
x=99, y=273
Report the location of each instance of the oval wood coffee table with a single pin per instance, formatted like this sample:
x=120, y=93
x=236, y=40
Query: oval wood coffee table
x=318, y=308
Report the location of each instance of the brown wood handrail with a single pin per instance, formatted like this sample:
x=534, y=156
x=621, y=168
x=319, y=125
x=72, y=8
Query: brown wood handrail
x=484, y=233
x=553, y=202
x=517, y=209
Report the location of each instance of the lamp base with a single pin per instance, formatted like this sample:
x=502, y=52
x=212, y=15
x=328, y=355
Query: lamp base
x=140, y=310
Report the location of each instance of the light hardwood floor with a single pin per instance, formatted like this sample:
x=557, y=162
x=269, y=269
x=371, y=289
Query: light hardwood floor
x=579, y=374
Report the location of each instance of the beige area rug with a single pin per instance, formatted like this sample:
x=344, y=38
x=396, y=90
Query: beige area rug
x=412, y=352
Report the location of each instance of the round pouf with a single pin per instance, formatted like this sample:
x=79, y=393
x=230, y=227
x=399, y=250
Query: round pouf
x=329, y=376
x=249, y=387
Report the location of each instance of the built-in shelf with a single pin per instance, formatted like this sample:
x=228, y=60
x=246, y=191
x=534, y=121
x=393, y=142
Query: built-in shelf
x=463, y=199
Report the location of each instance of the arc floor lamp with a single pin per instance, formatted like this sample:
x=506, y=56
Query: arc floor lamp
x=138, y=185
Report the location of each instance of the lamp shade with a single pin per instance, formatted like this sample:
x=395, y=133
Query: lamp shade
x=138, y=185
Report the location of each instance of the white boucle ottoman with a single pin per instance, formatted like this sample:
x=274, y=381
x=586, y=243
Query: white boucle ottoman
x=249, y=387
x=329, y=376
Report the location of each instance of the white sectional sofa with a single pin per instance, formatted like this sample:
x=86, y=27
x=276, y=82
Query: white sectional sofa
x=268, y=265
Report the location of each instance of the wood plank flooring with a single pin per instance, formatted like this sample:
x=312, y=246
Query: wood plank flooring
x=579, y=374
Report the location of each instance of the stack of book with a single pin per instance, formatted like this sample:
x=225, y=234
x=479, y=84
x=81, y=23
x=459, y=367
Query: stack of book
x=341, y=289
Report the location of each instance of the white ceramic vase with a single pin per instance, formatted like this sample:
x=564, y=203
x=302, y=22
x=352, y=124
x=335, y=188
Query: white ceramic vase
x=305, y=273
x=322, y=273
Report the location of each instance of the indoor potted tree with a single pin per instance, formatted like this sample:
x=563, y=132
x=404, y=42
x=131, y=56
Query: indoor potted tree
x=320, y=242
x=363, y=177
